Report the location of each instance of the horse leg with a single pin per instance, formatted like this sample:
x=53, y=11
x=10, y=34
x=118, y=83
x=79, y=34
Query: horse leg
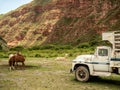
x=16, y=65
x=23, y=65
x=13, y=64
x=13, y=68
x=10, y=68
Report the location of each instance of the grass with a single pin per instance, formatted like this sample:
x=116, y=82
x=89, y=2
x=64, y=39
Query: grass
x=49, y=52
x=48, y=74
x=43, y=72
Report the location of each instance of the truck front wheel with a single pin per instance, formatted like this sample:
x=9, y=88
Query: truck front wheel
x=82, y=74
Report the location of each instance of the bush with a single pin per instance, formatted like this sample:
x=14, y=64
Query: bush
x=1, y=48
x=3, y=55
x=52, y=47
x=52, y=55
x=71, y=54
x=17, y=48
x=38, y=55
x=42, y=47
x=84, y=45
x=48, y=47
x=66, y=47
x=34, y=48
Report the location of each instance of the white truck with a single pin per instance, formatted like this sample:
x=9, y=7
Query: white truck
x=104, y=62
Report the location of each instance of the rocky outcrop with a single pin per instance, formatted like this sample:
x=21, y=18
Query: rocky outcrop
x=82, y=18
x=59, y=21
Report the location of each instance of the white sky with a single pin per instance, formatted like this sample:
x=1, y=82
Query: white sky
x=8, y=5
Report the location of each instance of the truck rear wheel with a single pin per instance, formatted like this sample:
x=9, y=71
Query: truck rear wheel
x=82, y=74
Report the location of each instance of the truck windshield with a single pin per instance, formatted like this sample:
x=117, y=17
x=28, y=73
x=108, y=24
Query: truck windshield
x=103, y=52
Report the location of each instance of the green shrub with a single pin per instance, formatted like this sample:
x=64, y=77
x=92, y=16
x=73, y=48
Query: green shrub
x=52, y=47
x=52, y=55
x=34, y=48
x=1, y=48
x=3, y=55
x=41, y=47
x=66, y=47
x=17, y=48
x=71, y=54
x=93, y=43
x=48, y=47
x=83, y=45
x=38, y=55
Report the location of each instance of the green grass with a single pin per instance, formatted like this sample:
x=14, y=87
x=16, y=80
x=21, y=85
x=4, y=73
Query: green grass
x=49, y=51
x=48, y=74
x=43, y=72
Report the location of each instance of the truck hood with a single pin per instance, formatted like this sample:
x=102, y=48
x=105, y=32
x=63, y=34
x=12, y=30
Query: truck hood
x=84, y=58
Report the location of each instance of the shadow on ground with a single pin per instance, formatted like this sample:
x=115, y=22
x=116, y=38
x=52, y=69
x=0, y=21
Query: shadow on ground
x=19, y=67
x=102, y=81
x=107, y=80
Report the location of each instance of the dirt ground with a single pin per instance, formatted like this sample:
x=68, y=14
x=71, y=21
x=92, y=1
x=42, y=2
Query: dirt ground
x=49, y=74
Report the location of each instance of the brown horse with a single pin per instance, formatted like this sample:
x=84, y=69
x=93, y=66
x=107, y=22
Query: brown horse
x=14, y=59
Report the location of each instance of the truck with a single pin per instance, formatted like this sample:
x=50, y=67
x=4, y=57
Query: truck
x=104, y=61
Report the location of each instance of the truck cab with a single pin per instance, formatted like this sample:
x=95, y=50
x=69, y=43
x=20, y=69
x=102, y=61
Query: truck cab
x=101, y=60
x=104, y=62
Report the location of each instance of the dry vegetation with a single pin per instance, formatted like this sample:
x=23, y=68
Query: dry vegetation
x=49, y=74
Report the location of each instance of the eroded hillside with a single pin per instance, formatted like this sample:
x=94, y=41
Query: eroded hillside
x=59, y=22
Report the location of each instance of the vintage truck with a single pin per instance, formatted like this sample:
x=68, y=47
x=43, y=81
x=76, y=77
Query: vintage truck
x=104, y=62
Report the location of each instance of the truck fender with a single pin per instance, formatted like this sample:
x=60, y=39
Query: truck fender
x=77, y=65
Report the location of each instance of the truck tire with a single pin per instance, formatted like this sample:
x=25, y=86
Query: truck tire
x=82, y=74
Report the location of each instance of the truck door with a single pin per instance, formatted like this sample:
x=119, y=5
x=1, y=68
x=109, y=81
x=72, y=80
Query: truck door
x=101, y=60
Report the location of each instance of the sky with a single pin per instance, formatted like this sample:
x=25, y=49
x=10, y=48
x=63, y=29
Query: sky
x=8, y=5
